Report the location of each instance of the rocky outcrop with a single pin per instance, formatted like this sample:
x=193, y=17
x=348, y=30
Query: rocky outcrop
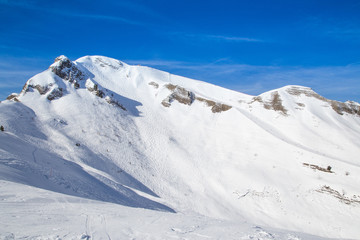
x=67, y=70
x=297, y=91
x=103, y=93
x=13, y=97
x=63, y=68
x=55, y=93
x=41, y=89
x=346, y=107
x=113, y=102
x=154, y=84
x=187, y=97
x=94, y=88
x=275, y=103
x=215, y=107
x=179, y=94
x=339, y=107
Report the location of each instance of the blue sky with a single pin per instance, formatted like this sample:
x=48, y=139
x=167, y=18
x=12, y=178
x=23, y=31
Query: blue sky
x=251, y=46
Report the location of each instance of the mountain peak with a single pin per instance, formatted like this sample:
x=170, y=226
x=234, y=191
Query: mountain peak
x=66, y=69
x=301, y=90
x=61, y=58
x=100, y=129
x=61, y=62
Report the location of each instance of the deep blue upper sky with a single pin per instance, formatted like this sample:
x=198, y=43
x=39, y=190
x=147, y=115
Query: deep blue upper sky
x=250, y=46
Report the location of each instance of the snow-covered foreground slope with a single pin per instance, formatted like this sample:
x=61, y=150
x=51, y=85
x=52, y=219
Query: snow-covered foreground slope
x=132, y=136
x=28, y=212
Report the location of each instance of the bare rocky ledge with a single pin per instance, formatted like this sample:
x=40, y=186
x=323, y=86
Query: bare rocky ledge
x=187, y=97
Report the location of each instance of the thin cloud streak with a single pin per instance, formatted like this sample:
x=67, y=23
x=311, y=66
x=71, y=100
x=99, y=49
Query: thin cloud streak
x=332, y=82
x=103, y=17
x=63, y=12
x=214, y=37
x=232, y=39
x=198, y=66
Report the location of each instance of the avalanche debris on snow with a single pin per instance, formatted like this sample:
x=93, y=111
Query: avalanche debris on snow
x=354, y=200
x=316, y=167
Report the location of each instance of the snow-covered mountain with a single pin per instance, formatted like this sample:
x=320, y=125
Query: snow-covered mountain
x=178, y=149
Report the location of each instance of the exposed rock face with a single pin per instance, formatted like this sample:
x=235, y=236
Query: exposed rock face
x=55, y=93
x=275, y=103
x=92, y=87
x=215, y=107
x=154, y=84
x=51, y=90
x=338, y=107
x=297, y=91
x=179, y=94
x=347, y=107
x=13, y=97
x=66, y=70
x=187, y=97
x=41, y=89
x=113, y=102
x=103, y=93
x=30, y=87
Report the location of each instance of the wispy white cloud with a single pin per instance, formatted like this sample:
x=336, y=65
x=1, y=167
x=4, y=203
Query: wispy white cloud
x=102, y=17
x=66, y=13
x=214, y=37
x=221, y=65
x=14, y=72
x=231, y=38
x=334, y=82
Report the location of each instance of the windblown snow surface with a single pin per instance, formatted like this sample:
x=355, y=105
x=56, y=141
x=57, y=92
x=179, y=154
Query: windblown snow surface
x=98, y=149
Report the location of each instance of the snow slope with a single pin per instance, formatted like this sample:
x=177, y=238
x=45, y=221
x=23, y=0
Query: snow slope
x=133, y=136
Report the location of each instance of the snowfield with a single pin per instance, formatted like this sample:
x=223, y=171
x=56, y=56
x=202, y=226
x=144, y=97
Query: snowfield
x=33, y=213
x=98, y=149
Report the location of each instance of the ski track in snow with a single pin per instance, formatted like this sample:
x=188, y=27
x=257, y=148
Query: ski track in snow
x=33, y=154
